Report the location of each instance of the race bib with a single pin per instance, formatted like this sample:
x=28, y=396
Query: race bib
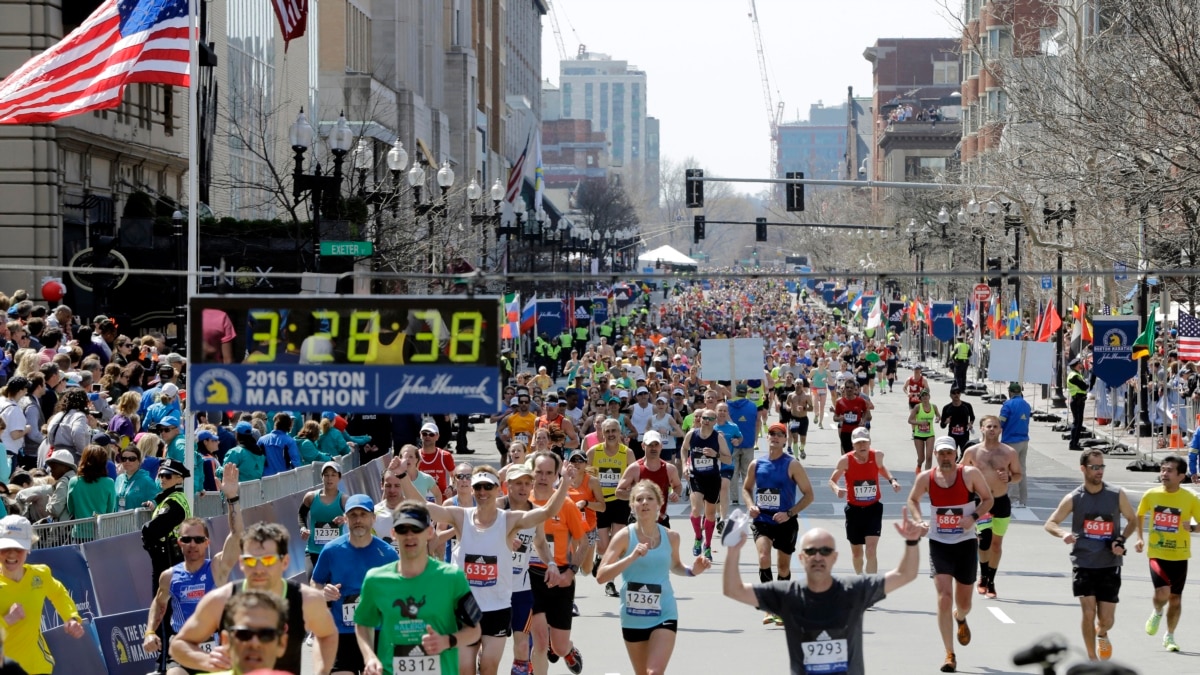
x=957, y=430
x=520, y=560
x=1098, y=526
x=825, y=656
x=481, y=570
x=767, y=498
x=643, y=599
x=793, y=426
x=524, y=438
x=949, y=521
x=324, y=535
x=609, y=478
x=866, y=491
x=703, y=463
x=413, y=659
x=349, y=604
x=208, y=647
x=850, y=418
x=1166, y=519
x=923, y=427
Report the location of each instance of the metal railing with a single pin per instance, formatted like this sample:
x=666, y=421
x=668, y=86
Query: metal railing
x=64, y=533
x=122, y=522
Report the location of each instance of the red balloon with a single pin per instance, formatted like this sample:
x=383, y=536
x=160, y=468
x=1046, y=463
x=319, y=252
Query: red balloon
x=53, y=290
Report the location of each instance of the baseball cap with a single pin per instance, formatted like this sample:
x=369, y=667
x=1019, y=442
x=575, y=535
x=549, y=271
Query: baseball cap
x=206, y=435
x=429, y=426
x=579, y=457
x=336, y=467
x=415, y=518
x=243, y=428
x=663, y=398
x=917, y=366
x=168, y=421
x=358, y=501
x=742, y=388
x=173, y=466
x=860, y=434
x=514, y=401
x=484, y=478
x=166, y=369
x=956, y=389
x=642, y=390
x=101, y=439
x=651, y=436
x=516, y=471
x=1014, y=387
x=679, y=392
x=170, y=389
x=945, y=443
x=16, y=532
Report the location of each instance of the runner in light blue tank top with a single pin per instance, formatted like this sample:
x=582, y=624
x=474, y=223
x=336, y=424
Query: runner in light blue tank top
x=647, y=598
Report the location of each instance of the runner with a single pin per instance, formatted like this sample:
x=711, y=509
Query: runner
x=1097, y=551
x=520, y=485
x=797, y=405
x=182, y=586
x=770, y=494
x=820, y=390
x=422, y=608
x=654, y=469
x=1000, y=468
x=953, y=491
x=957, y=418
x=822, y=616
x=588, y=496
x=254, y=632
x=322, y=513
x=1172, y=514
x=556, y=420
x=850, y=411
x=705, y=449
x=862, y=468
x=914, y=385
x=732, y=434
x=921, y=417
x=610, y=459
x=339, y=573
x=649, y=615
x=435, y=461
x=663, y=422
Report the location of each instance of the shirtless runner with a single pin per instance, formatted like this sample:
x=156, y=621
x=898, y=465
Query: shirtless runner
x=1001, y=467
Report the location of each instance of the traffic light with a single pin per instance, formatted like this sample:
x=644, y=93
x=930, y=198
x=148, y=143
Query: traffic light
x=993, y=268
x=698, y=230
x=693, y=180
x=760, y=229
x=795, y=192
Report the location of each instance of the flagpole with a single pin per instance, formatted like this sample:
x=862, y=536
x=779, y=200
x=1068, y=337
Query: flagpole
x=193, y=233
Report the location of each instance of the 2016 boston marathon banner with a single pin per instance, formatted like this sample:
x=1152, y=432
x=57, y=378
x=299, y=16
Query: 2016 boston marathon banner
x=358, y=353
x=1112, y=348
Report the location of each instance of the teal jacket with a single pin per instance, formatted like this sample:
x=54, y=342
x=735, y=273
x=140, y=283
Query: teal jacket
x=87, y=500
x=133, y=492
x=333, y=443
x=309, y=452
x=250, y=465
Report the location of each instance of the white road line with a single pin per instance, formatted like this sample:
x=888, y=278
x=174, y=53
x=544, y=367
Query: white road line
x=1000, y=615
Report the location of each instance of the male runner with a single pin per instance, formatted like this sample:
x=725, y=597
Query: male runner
x=1172, y=512
x=770, y=493
x=914, y=385
x=704, y=450
x=610, y=460
x=952, y=492
x=654, y=469
x=957, y=418
x=254, y=631
x=1097, y=551
x=798, y=404
x=1000, y=467
x=862, y=468
x=850, y=411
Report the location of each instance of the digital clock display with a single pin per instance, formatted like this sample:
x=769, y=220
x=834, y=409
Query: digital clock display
x=346, y=353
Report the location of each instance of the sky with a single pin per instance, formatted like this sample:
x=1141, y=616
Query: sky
x=701, y=63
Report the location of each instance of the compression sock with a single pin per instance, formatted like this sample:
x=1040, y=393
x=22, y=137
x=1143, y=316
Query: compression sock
x=983, y=569
x=764, y=575
x=696, y=525
x=709, y=526
x=787, y=578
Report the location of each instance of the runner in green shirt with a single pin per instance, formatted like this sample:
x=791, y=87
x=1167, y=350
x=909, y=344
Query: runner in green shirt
x=422, y=607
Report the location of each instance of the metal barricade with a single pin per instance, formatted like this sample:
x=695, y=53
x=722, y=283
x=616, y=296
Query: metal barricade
x=64, y=533
x=348, y=462
x=272, y=488
x=209, y=505
x=250, y=493
x=122, y=522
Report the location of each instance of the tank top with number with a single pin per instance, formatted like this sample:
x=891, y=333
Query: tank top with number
x=321, y=529
x=187, y=589
x=774, y=489
x=1096, y=521
x=610, y=468
x=297, y=630
x=647, y=598
x=662, y=424
x=951, y=506
x=481, y=554
x=862, y=480
x=924, y=426
x=638, y=417
x=700, y=463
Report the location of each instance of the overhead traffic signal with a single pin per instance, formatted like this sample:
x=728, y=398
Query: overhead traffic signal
x=993, y=268
x=693, y=181
x=760, y=229
x=698, y=230
x=794, y=191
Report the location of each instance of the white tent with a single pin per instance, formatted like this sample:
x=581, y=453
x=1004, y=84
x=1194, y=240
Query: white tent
x=668, y=255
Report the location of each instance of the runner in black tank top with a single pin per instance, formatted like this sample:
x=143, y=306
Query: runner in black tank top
x=290, y=662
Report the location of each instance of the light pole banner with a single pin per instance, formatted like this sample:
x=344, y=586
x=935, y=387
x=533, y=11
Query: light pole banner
x=943, y=322
x=1112, y=351
x=550, y=317
x=895, y=316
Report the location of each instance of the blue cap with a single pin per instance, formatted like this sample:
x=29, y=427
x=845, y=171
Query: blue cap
x=168, y=421
x=244, y=428
x=328, y=415
x=206, y=435
x=360, y=502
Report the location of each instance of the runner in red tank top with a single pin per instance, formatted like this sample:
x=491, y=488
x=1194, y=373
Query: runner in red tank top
x=862, y=468
x=654, y=469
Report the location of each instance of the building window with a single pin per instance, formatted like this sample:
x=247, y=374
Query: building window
x=920, y=169
x=635, y=120
x=587, y=100
x=251, y=119
x=945, y=72
x=618, y=113
x=358, y=41
x=604, y=106
x=997, y=105
x=566, y=100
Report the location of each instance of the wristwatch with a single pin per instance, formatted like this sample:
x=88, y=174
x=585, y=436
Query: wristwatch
x=573, y=568
x=453, y=640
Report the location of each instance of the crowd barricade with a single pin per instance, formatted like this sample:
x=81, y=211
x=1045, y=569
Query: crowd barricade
x=62, y=533
x=122, y=522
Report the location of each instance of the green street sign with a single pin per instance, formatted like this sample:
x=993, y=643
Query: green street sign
x=358, y=249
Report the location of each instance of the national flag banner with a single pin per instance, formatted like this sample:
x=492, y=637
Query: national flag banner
x=1049, y=324
x=1143, y=346
x=293, y=18
x=529, y=315
x=539, y=173
x=516, y=175
x=1189, y=337
x=1080, y=314
x=125, y=42
x=1013, y=327
x=856, y=304
x=569, y=312
x=875, y=316
x=512, y=316
x=956, y=314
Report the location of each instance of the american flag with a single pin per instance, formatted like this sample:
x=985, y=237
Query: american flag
x=292, y=15
x=1189, y=337
x=516, y=176
x=125, y=42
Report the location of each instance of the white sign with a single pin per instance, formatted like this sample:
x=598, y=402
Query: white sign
x=1021, y=361
x=736, y=359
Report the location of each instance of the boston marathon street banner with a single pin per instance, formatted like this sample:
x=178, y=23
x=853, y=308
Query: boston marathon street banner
x=943, y=321
x=895, y=317
x=600, y=309
x=1112, y=348
x=583, y=312
x=355, y=353
x=550, y=320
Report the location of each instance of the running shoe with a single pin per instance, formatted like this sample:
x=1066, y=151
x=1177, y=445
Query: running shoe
x=720, y=527
x=803, y=454
x=777, y=619
x=950, y=665
x=697, y=546
x=768, y=619
x=1103, y=647
x=551, y=656
x=522, y=668
x=981, y=587
x=574, y=609
x=1152, y=623
x=964, y=631
x=1169, y=643
x=610, y=589
x=708, y=553
x=991, y=588
x=574, y=661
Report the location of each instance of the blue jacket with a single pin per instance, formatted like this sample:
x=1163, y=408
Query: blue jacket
x=1014, y=420
x=280, y=451
x=744, y=413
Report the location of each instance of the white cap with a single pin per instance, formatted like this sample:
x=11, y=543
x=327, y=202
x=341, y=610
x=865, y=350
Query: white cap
x=484, y=478
x=169, y=389
x=651, y=436
x=429, y=426
x=16, y=532
x=945, y=443
x=860, y=434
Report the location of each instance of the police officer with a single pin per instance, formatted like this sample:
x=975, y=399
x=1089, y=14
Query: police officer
x=1077, y=389
x=541, y=348
x=962, y=356
x=565, y=339
x=160, y=534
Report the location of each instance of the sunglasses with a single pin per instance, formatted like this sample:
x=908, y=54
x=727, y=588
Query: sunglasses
x=129, y=458
x=823, y=551
x=244, y=634
x=165, y=475
x=486, y=487
x=409, y=529
x=462, y=476
x=256, y=560
x=776, y=433
x=1096, y=467
x=707, y=418
x=194, y=540
x=428, y=433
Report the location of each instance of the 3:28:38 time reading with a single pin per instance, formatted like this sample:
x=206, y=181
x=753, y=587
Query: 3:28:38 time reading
x=462, y=337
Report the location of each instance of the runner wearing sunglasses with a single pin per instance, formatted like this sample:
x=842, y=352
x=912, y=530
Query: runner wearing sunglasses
x=254, y=632
x=823, y=615
x=184, y=584
x=264, y=562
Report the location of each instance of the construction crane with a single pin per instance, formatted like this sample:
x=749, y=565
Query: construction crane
x=774, y=110
x=558, y=38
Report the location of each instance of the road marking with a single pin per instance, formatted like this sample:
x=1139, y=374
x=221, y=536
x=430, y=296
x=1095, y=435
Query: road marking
x=999, y=614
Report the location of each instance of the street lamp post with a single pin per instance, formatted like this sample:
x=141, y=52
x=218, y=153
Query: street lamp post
x=1058, y=215
x=445, y=180
x=324, y=189
x=484, y=220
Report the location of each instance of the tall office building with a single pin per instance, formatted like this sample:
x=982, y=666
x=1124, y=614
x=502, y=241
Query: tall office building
x=814, y=146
